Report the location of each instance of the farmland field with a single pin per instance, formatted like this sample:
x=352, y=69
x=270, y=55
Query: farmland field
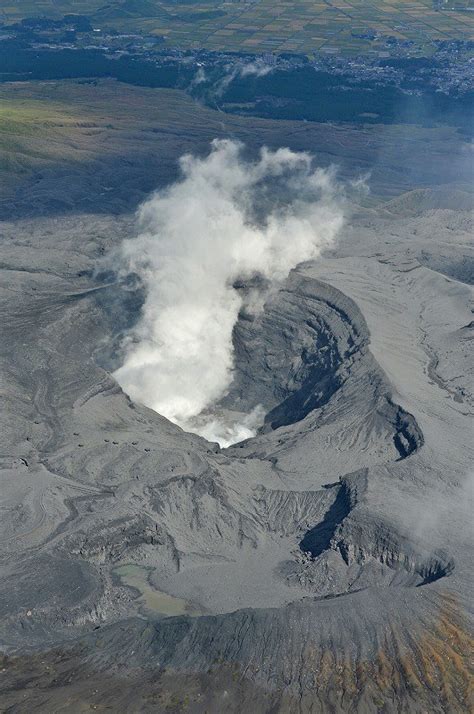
x=303, y=26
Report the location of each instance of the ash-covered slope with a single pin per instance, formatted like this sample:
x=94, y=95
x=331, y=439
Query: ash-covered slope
x=320, y=566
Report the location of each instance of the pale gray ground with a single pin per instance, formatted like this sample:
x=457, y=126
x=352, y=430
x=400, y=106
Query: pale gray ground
x=341, y=532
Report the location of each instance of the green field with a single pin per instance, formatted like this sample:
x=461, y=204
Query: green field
x=301, y=26
x=36, y=134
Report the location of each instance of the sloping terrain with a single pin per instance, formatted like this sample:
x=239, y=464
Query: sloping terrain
x=316, y=519
x=66, y=149
x=322, y=565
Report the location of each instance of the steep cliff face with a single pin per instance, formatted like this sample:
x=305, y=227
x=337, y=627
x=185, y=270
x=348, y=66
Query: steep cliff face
x=300, y=570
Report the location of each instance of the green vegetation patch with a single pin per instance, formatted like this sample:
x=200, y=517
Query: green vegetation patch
x=31, y=118
x=34, y=133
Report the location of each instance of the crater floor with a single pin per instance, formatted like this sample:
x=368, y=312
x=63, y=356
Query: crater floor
x=322, y=565
x=351, y=493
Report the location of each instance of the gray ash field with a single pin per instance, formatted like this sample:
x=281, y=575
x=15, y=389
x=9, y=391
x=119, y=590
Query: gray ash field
x=321, y=566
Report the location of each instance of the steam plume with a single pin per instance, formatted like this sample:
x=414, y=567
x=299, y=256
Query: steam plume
x=227, y=218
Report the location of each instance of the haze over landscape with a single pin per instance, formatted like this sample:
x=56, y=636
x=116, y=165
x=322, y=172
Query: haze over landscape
x=237, y=266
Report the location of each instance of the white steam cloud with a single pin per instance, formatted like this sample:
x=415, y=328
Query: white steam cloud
x=258, y=69
x=227, y=218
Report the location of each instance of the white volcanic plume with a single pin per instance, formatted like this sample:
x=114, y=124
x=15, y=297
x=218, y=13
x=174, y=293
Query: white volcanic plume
x=227, y=218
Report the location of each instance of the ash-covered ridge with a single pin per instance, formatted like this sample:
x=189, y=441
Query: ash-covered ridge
x=310, y=566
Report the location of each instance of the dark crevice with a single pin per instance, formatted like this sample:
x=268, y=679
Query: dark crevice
x=362, y=543
x=408, y=437
x=318, y=539
x=435, y=570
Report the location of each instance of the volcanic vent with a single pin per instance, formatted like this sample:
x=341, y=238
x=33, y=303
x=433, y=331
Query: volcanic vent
x=249, y=530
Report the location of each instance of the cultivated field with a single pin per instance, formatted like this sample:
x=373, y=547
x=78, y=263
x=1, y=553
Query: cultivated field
x=301, y=26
